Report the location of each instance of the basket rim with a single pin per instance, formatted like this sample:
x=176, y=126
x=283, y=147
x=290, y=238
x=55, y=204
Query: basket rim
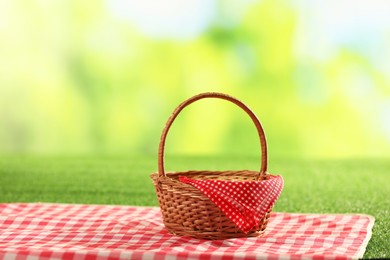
x=174, y=175
x=209, y=171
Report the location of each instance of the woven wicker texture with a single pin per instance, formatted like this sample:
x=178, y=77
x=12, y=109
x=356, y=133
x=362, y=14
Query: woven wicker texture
x=187, y=211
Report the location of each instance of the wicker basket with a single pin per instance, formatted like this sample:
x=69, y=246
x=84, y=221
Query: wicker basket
x=188, y=212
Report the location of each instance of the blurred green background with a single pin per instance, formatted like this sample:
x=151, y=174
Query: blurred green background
x=82, y=77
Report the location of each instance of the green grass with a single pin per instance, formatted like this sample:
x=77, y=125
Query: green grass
x=333, y=186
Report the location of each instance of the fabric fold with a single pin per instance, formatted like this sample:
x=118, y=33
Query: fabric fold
x=244, y=202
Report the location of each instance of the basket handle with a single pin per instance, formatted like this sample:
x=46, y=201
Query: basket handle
x=176, y=112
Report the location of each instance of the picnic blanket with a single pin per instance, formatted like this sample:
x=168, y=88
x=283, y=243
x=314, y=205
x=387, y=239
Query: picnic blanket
x=68, y=231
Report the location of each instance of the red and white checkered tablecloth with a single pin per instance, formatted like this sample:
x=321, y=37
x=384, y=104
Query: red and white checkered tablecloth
x=65, y=231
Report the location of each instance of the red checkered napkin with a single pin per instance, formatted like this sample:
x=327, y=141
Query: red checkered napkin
x=243, y=202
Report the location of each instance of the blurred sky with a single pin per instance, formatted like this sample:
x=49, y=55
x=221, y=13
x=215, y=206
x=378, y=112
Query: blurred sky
x=104, y=76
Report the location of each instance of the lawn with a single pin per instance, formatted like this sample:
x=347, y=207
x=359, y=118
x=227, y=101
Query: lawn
x=326, y=186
